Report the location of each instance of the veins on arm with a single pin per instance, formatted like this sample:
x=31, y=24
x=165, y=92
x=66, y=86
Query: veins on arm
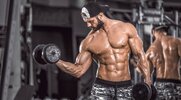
x=137, y=48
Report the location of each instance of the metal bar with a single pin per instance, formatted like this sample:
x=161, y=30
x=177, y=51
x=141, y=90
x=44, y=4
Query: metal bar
x=29, y=43
x=176, y=22
x=140, y=14
x=150, y=23
x=3, y=69
x=162, y=15
x=169, y=19
x=172, y=4
x=137, y=76
x=11, y=58
x=121, y=10
x=151, y=12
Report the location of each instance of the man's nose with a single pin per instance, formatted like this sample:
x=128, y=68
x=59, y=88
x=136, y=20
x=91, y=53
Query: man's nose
x=88, y=25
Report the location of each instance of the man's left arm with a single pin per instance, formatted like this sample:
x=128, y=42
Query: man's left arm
x=179, y=47
x=136, y=46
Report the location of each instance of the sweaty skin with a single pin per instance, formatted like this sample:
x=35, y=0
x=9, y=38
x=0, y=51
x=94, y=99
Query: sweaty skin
x=164, y=54
x=155, y=57
x=171, y=52
x=110, y=47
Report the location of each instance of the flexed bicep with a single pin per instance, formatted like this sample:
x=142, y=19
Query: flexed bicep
x=77, y=69
x=83, y=60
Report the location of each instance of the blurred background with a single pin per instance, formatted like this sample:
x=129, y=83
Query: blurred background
x=26, y=23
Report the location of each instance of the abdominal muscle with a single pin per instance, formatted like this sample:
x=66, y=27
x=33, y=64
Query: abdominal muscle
x=112, y=68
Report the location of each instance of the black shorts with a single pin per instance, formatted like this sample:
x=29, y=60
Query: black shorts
x=168, y=89
x=107, y=90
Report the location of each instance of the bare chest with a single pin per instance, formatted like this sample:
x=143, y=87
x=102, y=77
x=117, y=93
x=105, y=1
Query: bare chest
x=106, y=43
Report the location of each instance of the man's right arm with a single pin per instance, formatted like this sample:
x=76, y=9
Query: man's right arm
x=151, y=57
x=77, y=69
x=136, y=46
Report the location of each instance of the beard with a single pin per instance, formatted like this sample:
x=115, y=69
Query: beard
x=100, y=25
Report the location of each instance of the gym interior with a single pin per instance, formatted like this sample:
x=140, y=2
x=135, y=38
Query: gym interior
x=24, y=24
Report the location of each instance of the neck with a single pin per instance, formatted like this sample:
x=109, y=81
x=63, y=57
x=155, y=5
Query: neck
x=105, y=20
x=159, y=37
x=107, y=24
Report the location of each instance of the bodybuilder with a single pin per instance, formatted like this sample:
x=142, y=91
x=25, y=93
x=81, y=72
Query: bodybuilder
x=164, y=55
x=109, y=43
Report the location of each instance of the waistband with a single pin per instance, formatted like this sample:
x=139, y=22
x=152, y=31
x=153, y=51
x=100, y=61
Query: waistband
x=112, y=84
x=168, y=80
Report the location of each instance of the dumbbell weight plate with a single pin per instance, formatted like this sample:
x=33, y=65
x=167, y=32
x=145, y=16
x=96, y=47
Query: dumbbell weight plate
x=154, y=93
x=51, y=53
x=141, y=91
x=37, y=54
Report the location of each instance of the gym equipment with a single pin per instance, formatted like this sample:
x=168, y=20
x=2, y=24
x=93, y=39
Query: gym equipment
x=142, y=91
x=44, y=54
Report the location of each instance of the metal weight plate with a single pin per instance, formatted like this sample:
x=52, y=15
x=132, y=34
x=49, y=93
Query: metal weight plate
x=141, y=91
x=37, y=54
x=154, y=93
x=51, y=53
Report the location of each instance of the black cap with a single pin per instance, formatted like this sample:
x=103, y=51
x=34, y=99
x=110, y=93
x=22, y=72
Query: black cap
x=91, y=9
x=160, y=28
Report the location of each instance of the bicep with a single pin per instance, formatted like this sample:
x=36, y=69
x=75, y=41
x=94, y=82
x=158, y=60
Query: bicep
x=84, y=60
x=151, y=57
x=135, y=41
x=136, y=45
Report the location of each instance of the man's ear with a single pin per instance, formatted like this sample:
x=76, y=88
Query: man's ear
x=100, y=15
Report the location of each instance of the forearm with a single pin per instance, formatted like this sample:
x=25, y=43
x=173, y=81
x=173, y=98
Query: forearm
x=145, y=69
x=70, y=68
x=142, y=67
x=136, y=65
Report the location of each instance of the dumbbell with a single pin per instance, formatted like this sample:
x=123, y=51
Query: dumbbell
x=141, y=91
x=44, y=54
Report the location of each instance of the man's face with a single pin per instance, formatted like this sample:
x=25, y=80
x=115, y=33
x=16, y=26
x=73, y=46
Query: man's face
x=92, y=22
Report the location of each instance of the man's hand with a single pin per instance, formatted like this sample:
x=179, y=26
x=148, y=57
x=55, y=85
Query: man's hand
x=135, y=62
x=148, y=81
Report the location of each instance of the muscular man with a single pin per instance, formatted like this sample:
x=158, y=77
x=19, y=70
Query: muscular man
x=109, y=43
x=164, y=55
